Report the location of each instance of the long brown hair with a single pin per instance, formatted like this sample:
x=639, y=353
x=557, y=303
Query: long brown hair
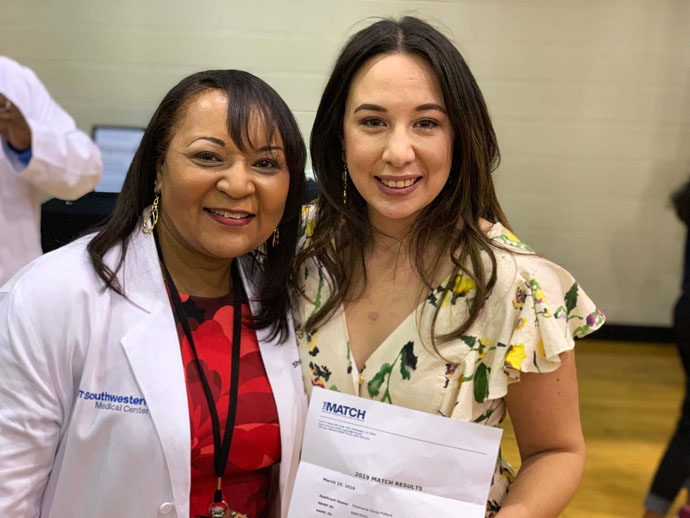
x=342, y=230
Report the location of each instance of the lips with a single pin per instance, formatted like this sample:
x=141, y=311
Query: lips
x=398, y=186
x=398, y=183
x=230, y=215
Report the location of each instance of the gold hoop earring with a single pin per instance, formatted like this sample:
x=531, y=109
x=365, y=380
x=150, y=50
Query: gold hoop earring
x=276, y=237
x=344, y=177
x=151, y=217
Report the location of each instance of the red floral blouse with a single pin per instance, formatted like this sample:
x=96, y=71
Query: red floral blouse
x=256, y=439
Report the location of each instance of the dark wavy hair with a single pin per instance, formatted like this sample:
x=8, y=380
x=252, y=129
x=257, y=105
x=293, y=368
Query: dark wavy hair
x=247, y=95
x=681, y=202
x=342, y=230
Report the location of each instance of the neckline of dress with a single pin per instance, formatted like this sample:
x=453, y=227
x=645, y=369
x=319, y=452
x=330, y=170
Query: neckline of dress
x=495, y=231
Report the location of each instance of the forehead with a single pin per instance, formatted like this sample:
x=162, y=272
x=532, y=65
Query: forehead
x=209, y=108
x=207, y=114
x=389, y=76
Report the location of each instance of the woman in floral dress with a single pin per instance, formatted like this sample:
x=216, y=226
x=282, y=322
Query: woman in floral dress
x=414, y=290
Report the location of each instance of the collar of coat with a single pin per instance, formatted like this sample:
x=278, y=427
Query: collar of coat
x=142, y=279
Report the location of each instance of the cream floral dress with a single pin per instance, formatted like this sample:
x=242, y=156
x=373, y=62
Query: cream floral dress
x=533, y=313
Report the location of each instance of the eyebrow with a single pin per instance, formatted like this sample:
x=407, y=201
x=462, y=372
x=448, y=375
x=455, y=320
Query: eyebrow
x=371, y=107
x=420, y=108
x=430, y=106
x=212, y=139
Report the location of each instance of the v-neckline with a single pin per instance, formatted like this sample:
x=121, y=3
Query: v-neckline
x=388, y=337
x=491, y=233
x=346, y=331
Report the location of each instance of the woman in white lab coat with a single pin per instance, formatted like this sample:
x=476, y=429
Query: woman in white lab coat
x=126, y=354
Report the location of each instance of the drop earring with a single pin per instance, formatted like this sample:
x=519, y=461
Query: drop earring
x=151, y=217
x=276, y=237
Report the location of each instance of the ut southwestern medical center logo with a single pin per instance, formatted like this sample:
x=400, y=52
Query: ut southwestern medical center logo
x=343, y=410
x=115, y=402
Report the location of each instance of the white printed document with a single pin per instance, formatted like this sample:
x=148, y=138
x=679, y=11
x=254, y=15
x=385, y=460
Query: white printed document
x=366, y=459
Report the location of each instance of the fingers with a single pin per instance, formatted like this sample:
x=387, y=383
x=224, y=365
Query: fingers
x=5, y=104
x=10, y=112
x=5, y=123
x=13, y=125
x=5, y=118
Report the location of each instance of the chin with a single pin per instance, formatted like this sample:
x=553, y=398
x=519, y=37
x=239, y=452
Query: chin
x=399, y=212
x=231, y=251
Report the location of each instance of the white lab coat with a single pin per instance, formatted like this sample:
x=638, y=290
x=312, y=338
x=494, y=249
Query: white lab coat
x=65, y=163
x=62, y=337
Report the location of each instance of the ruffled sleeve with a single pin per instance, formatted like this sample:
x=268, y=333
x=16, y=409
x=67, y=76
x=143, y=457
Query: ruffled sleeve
x=306, y=227
x=309, y=275
x=548, y=309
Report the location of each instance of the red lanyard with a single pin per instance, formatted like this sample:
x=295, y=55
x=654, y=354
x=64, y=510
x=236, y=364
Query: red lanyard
x=221, y=449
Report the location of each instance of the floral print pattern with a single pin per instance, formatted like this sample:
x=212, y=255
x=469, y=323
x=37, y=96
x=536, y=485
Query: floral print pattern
x=408, y=363
x=533, y=314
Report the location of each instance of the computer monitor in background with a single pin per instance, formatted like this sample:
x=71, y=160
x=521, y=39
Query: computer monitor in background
x=62, y=221
x=118, y=145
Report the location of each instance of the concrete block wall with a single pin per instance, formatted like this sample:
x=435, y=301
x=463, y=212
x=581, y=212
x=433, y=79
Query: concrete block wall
x=590, y=98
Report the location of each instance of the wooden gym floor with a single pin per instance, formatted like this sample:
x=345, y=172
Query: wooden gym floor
x=630, y=396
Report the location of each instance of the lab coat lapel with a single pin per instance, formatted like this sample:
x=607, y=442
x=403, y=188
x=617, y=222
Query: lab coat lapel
x=277, y=357
x=153, y=350
x=281, y=361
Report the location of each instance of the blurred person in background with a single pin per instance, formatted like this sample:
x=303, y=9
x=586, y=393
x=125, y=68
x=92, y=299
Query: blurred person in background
x=42, y=150
x=673, y=472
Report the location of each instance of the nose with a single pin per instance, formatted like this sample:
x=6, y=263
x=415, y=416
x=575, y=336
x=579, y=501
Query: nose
x=399, y=148
x=237, y=181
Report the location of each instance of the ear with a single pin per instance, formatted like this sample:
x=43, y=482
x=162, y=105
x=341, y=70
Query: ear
x=160, y=173
x=341, y=137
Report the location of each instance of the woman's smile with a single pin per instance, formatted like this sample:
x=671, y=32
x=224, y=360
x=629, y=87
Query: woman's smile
x=398, y=186
x=231, y=218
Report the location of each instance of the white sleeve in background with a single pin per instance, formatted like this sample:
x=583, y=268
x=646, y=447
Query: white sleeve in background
x=65, y=162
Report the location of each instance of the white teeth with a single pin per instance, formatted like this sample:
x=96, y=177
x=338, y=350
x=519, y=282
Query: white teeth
x=230, y=215
x=397, y=184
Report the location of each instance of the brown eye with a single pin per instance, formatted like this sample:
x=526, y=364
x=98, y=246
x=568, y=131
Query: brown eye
x=207, y=156
x=372, y=123
x=266, y=163
x=427, y=124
